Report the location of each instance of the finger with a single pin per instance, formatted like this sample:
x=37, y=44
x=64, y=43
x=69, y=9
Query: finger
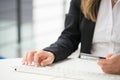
x=109, y=55
x=102, y=62
x=113, y=56
x=24, y=61
x=105, y=62
x=37, y=58
x=47, y=61
x=30, y=57
x=110, y=69
x=107, y=69
x=113, y=59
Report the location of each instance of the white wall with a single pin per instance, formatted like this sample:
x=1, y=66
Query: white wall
x=48, y=21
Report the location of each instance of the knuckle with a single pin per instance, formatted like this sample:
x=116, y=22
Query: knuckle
x=33, y=51
x=37, y=54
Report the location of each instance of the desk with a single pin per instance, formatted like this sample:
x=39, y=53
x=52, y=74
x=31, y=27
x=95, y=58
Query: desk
x=7, y=70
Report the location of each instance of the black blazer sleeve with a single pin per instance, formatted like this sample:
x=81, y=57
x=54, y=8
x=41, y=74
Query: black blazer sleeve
x=70, y=37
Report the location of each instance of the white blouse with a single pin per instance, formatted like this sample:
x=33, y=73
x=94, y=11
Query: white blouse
x=106, y=37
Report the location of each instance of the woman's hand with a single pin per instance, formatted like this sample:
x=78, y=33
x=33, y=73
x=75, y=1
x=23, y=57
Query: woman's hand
x=40, y=58
x=111, y=64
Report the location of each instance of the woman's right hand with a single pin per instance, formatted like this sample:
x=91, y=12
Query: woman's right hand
x=40, y=58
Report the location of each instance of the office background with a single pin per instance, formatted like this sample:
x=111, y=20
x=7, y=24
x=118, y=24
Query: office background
x=30, y=24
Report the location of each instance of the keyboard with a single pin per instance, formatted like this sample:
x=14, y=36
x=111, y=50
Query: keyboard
x=73, y=69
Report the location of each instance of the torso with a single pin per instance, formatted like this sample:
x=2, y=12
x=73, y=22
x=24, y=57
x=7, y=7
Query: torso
x=106, y=37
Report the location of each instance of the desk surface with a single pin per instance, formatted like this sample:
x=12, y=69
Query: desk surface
x=7, y=70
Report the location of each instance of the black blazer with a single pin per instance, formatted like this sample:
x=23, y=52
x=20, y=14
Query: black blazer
x=77, y=29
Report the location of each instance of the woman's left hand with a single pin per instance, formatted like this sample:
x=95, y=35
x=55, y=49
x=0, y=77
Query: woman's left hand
x=111, y=64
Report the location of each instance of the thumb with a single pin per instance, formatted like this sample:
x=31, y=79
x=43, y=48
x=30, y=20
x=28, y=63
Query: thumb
x=108, y=56
x=46, y=61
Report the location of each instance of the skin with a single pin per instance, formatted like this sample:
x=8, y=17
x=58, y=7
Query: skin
x=40, y=58
x=111, y=64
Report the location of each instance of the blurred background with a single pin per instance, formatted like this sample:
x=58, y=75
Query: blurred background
x=30, y=24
